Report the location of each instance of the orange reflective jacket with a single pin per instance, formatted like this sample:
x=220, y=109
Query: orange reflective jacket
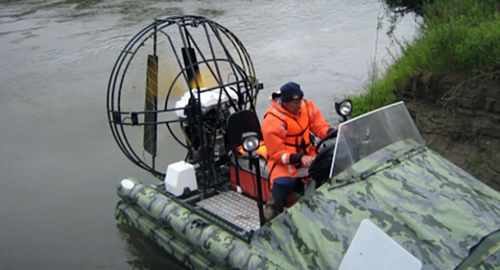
x=286, y=134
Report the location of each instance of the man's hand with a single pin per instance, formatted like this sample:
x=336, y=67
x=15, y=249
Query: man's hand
x=306, y=161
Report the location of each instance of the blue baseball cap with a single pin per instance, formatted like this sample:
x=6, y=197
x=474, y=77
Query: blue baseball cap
x=291, y=91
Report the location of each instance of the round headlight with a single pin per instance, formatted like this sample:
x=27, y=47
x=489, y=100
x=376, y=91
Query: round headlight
x=250, y=141
x=344, y=108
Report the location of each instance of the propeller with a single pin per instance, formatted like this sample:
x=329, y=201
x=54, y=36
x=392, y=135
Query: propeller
x=179, y=76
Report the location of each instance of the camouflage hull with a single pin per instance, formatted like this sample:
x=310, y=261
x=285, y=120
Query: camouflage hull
x=429, y=206
x=192, y=239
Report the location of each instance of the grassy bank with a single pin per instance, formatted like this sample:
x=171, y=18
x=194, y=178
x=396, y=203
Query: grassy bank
x=458, y=35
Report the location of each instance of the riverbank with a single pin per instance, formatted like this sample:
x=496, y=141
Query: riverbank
x=449, y=77
x=458, y=115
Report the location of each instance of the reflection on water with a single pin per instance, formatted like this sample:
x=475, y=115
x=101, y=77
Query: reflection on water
x=59, y=163
x=144, y=253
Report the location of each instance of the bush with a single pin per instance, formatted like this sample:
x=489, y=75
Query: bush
x=463, y=35
x=458, y=35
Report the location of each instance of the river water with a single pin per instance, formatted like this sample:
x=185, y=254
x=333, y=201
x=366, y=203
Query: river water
x=59, y=164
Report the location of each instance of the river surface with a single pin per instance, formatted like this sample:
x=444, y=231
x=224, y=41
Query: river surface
x=59, y=164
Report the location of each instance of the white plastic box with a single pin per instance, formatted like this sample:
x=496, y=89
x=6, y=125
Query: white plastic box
x=180, y=175
x=208, y=99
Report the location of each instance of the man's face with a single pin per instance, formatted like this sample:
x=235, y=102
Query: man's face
x=293, y=106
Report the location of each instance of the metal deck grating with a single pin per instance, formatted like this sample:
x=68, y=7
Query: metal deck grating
x=234, y=207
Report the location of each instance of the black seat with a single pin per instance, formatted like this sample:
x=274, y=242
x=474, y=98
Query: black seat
x=238, y=124
x=241, y=122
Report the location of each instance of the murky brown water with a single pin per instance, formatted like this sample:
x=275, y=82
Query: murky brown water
x=59, y=164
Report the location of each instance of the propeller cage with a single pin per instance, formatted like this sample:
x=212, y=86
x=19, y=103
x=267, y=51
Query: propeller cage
x=172, y=87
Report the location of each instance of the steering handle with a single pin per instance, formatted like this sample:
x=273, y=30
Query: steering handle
x=330, y=135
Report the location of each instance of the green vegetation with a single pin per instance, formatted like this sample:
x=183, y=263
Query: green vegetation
x=457, y=35
x=476, y=159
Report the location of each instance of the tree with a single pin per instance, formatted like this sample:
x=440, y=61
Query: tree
x=405, y=6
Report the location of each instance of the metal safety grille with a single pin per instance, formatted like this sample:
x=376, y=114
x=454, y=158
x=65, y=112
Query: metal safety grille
x=235, y=208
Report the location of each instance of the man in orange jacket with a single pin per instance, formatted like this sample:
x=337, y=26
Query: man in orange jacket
x=286, y=130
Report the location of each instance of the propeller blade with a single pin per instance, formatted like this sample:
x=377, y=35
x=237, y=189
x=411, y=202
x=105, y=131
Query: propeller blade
x=151, y=104
x=191, y=65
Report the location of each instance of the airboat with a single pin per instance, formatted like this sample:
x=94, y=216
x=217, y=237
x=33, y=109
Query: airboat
x=181, y=105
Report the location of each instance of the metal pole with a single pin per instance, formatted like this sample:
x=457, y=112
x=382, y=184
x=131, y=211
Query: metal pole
x=254, y=158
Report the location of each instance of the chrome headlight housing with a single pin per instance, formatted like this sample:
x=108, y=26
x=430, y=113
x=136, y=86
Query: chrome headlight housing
x=250, y=141
x=344, y=107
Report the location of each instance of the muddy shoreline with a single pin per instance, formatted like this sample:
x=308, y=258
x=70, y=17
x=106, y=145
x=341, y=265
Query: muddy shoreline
x=458, y=115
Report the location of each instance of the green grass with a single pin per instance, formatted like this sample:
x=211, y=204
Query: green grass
x=458, y=35
x=475, y=160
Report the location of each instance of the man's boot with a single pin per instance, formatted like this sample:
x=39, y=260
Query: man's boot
x=272, y=208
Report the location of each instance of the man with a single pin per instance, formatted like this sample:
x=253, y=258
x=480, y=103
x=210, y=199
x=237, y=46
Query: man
x=286, y=127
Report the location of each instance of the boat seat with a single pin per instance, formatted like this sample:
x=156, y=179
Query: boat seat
x=242, y=176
